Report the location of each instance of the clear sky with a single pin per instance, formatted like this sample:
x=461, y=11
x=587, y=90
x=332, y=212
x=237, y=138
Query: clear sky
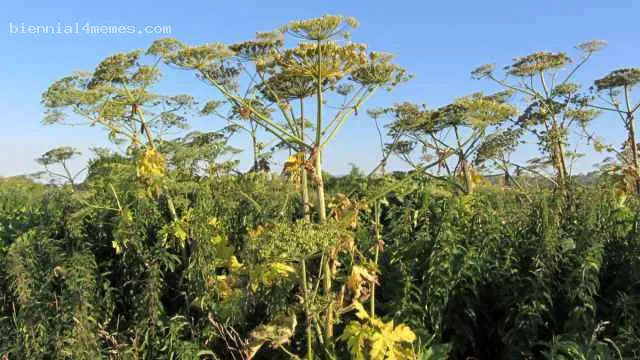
x=438, y=41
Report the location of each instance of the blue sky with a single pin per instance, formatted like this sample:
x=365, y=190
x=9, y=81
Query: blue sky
x=438, y=41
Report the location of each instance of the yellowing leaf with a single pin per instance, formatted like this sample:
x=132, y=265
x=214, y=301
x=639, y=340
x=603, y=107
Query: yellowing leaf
x=293, y=167
x=374, y=339
x=233, y=263
x=224, y=285
x=179, y=232
x=214, y=222
x=356, y=280
x=151, y=165
x=378, y=346
x=276, y=333
x=282, y=268
x=361, y=313
x=116, y=246
x=403, y=333
x=267, y=274
x=223, y=251
x=356, y=336
x=256, y=232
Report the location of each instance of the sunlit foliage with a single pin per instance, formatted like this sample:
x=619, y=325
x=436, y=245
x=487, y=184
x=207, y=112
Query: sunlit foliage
x=168, y=250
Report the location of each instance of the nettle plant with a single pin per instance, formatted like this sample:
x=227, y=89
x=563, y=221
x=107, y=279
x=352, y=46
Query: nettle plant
x=452, y=137
x=554, y=103
x=614, y=95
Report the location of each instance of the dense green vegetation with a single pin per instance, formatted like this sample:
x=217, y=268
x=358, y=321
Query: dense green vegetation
x=168, y=250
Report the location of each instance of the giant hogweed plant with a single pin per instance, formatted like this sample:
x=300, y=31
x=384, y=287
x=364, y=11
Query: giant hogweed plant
x=293, y=254
x=318, y=64
x=554, y=104
x=321, y=62
x=283, y=259
x=117, y=96
x=614, y=95
x=464, y=131
x=60, y=156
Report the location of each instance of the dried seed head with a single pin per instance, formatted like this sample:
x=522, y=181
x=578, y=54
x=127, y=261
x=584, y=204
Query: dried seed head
x=537, y=62
x=592, y=46
x=321, y=28
x=619, y=78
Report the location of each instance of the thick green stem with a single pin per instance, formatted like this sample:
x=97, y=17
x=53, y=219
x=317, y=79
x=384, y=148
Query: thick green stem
x=560, y=161
x=464, y=165
x=264, y=121
x=327, y=284
x=305, y=182
x=632, y=140
x=305, y=194
x=307, y=311
x=134, y=131
x=378, y=240
x=562, y=164
x=147, y=131
x=319, y=100
x=634, y=151
x=317, y=148
x=291, y=355
x=322, y=211
x=254, y=145
x=69, y=176
x=343, y=118
x=328, y=273
x=468, y=179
